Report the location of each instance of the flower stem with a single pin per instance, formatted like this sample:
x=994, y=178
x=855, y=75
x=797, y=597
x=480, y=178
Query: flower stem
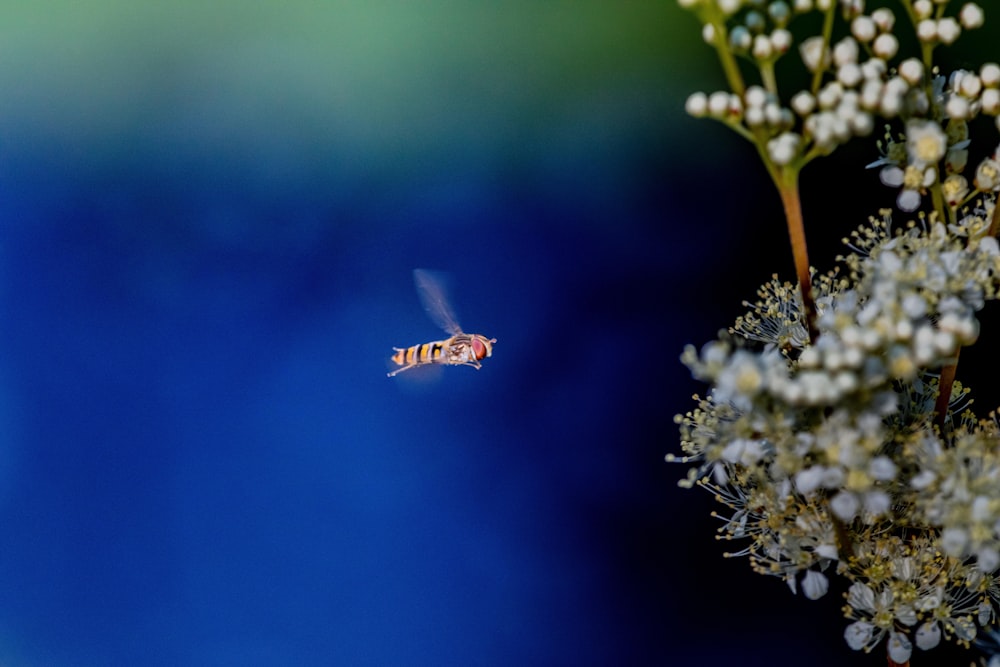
x=768, y=78
x=948, y=372
x=787, y=180
x=995, y=221
x=827, y=34
x=717, y=19
x=945, y=383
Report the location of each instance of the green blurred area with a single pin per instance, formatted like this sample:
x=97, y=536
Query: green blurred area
x=361, y=78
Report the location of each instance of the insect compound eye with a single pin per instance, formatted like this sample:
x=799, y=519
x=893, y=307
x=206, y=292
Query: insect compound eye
x=478, y=348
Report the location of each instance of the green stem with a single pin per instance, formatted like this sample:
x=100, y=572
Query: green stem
x=827, y=36
x=730, y=68
x=742, y=131
x=937, y=198
x=767, y=77
x=926, y=50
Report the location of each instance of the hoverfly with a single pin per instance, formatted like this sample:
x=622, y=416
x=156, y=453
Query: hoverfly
x=461, y=349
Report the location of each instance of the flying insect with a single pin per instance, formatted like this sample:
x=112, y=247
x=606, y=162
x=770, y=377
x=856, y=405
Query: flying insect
x=461, y=349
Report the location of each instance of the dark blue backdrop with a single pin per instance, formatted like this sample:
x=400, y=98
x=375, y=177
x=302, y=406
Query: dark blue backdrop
x=210, y=218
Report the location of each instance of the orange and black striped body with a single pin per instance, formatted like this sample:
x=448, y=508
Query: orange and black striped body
x=461, y=349
x=418, y=355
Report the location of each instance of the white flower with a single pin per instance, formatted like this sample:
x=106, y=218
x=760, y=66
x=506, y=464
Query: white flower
x=814, y=56
x=708, y=33
x=970, y=86
x=859, y=635
x=784, y=147
x=955, y=188
x=987, y=175
x=908, y=201
x=956, y=158
x=845, y=505
x=874, y=69
x=740, y=39
x=781, y=40
x=884, y=19
x=971, y=16
x=861, y=597
x=845, y=52
x=743, y=451
x=913, y=181
x=926, y=29
x=899, y=647
x=990, y=74
x=890, y=175
x=988, y=559
x=814, y=584
x=958, y=108
x=953, y=541
x=755, y=96
x=877, y=503
x=928, y=635
x=926, y=142
x=885, y=46
x=882, y=469
x=762, y=47
x=863, y=28
x=779, y=12
x=923, y=479
x=912, y=71
x=830, y=95
x=718, y=104
x=989, y=101
x=849, y=74
x=697, y=105
x=803, y=103
x=948, y=29
x=730, y=6
x=828, y=551
x=808, y=480
x=980, y=509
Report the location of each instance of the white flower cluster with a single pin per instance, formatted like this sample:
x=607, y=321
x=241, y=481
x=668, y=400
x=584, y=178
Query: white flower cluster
x=933, y=28
x=834, y=431
x=934, y=154
x=912, y=308
x=859, y=89
x=959, y=483
x=817, y=449
x=914, y=590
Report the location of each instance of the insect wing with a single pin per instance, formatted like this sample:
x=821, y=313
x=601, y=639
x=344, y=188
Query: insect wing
x=432, y=295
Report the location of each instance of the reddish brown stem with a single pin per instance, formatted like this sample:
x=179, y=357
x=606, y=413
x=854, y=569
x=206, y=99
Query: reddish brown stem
x=945, y=384
x=948, y=372
x=947, y=379
x=995, y=221
x=789, y=189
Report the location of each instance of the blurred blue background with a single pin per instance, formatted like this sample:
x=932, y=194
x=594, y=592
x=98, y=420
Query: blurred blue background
x=210, y=216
